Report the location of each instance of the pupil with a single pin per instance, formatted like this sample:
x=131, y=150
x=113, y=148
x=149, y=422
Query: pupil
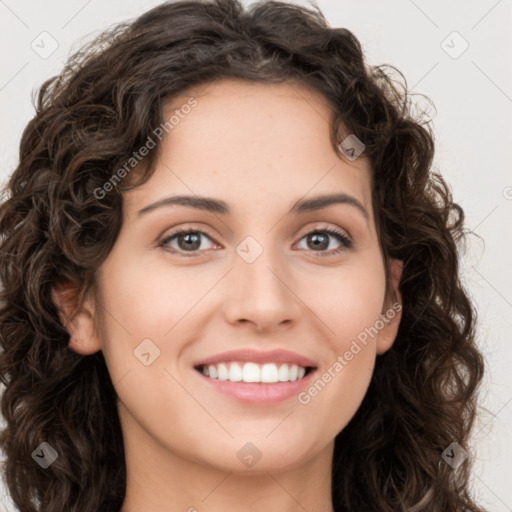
x=315, y=237
x=196, y=243
x=320, y=241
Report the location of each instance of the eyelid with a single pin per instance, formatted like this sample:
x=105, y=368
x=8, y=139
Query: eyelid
x=346, y=238
x=162, y=241
x=347, y=242
x=327, y=227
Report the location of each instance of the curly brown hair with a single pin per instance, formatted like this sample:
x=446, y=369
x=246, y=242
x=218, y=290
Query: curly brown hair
x=55, y=230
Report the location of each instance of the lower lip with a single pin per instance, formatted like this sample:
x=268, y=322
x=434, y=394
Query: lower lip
x=258, y=393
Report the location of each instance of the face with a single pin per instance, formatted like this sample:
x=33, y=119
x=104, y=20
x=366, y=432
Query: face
x=256, y=272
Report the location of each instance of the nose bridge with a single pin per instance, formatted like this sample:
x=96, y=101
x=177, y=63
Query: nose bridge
x=259, y=285
x=258, y=266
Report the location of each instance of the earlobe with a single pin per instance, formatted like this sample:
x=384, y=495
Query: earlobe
x=78, y=319
x=392, y=311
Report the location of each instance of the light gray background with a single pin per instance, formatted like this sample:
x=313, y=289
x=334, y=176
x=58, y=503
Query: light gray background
x=473, y=97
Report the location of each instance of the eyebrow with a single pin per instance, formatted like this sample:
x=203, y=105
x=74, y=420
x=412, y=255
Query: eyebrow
x=218, y=206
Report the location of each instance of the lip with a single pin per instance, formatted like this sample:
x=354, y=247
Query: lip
x=257, y=393
x=257, y=356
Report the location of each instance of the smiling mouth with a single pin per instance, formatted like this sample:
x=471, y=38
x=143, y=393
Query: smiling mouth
x=249, y=372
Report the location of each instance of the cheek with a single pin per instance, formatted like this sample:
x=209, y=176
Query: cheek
x=349, y=301
x=148, y=300
x=149, y=316
x=349, y=304
x=336, y=394
x=135, y=315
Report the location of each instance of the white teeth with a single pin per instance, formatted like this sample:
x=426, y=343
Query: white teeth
x=235, y=373
x=283, y=373
x=251, y=372
x=269, y=373
x=212, y=371
x=222, y=372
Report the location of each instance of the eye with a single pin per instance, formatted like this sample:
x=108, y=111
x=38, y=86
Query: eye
x=319, y=241
x=188, y=240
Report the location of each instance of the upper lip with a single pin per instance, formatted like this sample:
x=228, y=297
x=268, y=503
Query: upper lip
x=257, y=356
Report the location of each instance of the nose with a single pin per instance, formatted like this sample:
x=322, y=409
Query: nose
x=261, y=293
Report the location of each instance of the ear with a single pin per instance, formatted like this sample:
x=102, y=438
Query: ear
x=78, y=319
x=392, y=310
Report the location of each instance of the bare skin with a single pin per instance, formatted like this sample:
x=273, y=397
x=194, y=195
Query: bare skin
x=260, y=149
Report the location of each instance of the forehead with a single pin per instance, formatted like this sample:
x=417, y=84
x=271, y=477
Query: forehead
x=251, y=140
x=245, y=111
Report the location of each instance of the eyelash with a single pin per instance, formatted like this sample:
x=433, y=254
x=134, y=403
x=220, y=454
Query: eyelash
x=344, y=239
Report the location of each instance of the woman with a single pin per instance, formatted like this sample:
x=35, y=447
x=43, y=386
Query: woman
x=230, y=279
